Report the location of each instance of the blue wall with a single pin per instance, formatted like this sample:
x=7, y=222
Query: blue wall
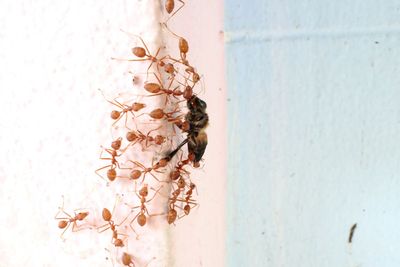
x=314, y=132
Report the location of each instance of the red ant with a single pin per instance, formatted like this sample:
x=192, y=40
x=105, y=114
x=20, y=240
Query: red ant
x=139, y=137
x=115, y=146
x=65, y=222
x=188, y=199
x=144, y=54
x=107, y=216
x=157, y=89
x=136, y=173
x=172, y=214
x=141, y=216
x=118, y=114
x=178, y=170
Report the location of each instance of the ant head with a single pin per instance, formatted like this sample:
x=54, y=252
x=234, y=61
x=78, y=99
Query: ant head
x=118, y=243
x=144, y=191
x=195, y=104
x=116, y=144
x=186, y=209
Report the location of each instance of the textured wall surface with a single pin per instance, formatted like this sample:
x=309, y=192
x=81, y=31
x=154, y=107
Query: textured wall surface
x=53, y=58
x=314, y=125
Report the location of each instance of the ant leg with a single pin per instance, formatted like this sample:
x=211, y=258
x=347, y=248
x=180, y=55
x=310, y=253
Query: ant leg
x=124, y=59
x=61, y=210
x=173, y=14
x=172, y=154
x=130, y=224
x=148, y=134
x=120, y=117
x=144, y=44
x=126, y=120
x=97, y=171
x=168, y=29
x=62, y=218
x=151, y=175
x=107, y=226
x=77, y=228
x=155, y=193
x=147, y=264
x=62, y=234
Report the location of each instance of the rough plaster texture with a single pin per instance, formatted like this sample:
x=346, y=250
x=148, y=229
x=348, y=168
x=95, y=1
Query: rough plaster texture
x=313, y=133
x=54, y=56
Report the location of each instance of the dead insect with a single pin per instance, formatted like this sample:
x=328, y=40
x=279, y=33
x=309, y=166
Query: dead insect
x=196, y=137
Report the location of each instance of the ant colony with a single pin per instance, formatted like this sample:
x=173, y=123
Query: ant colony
x=171, y=136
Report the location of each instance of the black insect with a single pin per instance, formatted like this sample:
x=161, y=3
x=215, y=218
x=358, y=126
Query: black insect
x=352, y=229
x=196, y=137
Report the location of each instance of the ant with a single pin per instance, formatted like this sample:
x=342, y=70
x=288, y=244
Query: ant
x=172, y=214
x=143, y=54
x=141, y=216
x=107, y=216
x=116, y=115
x=188, y=199
x=115, y=146
x=157, y=89
x=178, y=170
x=65, y=222
x=139, y=137
x=136, y=173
